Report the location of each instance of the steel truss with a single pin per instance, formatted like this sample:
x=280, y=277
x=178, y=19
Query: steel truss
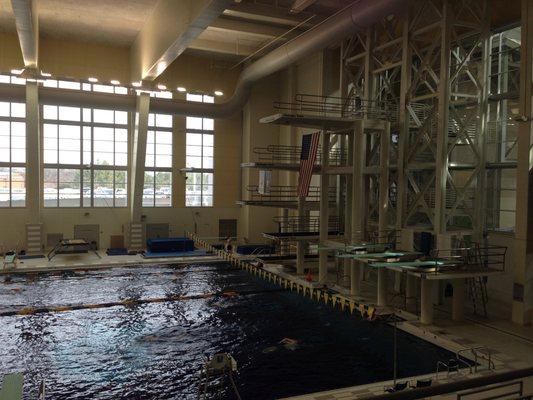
x=433, y=63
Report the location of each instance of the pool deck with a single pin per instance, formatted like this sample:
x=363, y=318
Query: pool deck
x=90, y=261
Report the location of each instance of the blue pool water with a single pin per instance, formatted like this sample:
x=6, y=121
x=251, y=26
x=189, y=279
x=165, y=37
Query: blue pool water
x=155, y=351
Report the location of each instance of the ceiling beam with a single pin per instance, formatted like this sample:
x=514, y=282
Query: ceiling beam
x=226, y=48
x=255, y=29
x=268, y=14
x=170, y=29
x=27, y=23
x=300, y=5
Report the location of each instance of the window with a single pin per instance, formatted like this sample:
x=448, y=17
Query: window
x=199, y=157
x=157, y=191
x=85, y=153
x=12, y=152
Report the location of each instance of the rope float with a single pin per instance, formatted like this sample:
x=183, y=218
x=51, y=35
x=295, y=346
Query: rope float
x=367, y=312
x=128, y=302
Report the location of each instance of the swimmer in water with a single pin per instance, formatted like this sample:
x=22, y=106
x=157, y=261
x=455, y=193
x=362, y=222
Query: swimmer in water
x=289, y=344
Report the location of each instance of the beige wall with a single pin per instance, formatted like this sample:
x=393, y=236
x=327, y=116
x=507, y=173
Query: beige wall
x=81, y=60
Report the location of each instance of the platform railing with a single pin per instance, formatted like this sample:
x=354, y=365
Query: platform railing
x=476, y=256
x=287, y=193
x=304, y=224
x=291, y=155
x=331, y=106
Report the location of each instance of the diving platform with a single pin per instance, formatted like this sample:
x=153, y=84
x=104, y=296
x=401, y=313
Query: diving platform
x=292, y=205
x=297, y=236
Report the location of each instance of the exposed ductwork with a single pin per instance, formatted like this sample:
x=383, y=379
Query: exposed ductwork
x=358, y=15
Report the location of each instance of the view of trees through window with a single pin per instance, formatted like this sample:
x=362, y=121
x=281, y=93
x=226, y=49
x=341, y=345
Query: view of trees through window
x=199, y=157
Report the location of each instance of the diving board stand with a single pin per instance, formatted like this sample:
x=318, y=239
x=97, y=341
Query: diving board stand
x=71, y=246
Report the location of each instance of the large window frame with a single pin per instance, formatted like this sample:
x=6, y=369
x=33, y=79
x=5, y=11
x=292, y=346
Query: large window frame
x=87, y=167
x=158, y=187
x=199, y=157
x=12, y=150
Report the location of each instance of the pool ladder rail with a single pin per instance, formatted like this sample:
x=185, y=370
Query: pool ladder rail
x=457, y=364
x=214, y=372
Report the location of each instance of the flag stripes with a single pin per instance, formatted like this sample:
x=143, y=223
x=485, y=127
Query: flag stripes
x=307, y=161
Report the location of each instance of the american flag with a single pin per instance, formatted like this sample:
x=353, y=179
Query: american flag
x=307, y=161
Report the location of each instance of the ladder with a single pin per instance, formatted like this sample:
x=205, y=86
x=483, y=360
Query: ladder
x=477, y=286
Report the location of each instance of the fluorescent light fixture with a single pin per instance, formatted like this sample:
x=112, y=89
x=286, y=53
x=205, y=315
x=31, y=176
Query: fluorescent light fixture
x=219, y=93
x=92, y=80
x=16, y=71
x=115, y=82
x=161, y=87
x=46, y=74
x=136, y=84
x=181, y=89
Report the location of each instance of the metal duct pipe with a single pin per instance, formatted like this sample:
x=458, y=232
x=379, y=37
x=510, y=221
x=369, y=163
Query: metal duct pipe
x=360, y=14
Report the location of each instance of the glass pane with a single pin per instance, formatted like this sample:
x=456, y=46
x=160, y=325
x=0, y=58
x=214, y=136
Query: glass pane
x=69, y=113
x=18, y=187
x=164, y=121
x=121, y=189
x=209, y=124
x=104, y=116
x=194, y=123
x=194, y=139
x=103, y=188
x=148, y=190
x=208, y=140
x=50, y=187
x=194, y=97
x=69, y=187
x=163, y=189
x=69, y=144
x=87, y=188
x=49, y=112
x=18, y=110
x=5, y=177
x=4, y=109
x=121, y=117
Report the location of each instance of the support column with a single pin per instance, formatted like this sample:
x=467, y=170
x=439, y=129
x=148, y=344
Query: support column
x=358, y=200
x=34, y=227
x=426, y=301
x=441, y=167
x=300, y=245
x=383, y=221
x=522, y=312
x=348, y=209
x=407, y=244
x=138, y=160
x=33, y=154
x=458, y=300
x=324, y=210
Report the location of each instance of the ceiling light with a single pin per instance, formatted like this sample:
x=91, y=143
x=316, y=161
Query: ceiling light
x=181, y=89
x=136, y=84
x=161, y=87
x=16, y=71
x=219, y=93
x=115, y=82
x=46, y=74
x=93, y=80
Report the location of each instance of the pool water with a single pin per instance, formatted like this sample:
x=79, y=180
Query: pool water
x=156, y=351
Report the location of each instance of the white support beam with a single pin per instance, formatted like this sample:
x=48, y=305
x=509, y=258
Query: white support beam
x=229, y=48
x=27, y=23
x=522, y=311
x=324, y=210
x=168, y=32
x=138, y=158
x=264, y=13
x=33, y=154
x=253, y=29
x=300, y=5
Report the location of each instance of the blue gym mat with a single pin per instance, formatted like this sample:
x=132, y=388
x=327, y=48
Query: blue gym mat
x=175, y=254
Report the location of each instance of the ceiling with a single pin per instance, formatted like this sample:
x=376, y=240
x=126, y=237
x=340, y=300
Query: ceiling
x=115, y=22
x=118, y=22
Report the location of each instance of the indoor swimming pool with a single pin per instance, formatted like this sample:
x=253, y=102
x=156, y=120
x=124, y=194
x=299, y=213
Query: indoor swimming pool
x=156, y=351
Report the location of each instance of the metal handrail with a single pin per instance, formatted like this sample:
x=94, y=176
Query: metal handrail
x=287, y=193
x=291, y=154
x=475, y=352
